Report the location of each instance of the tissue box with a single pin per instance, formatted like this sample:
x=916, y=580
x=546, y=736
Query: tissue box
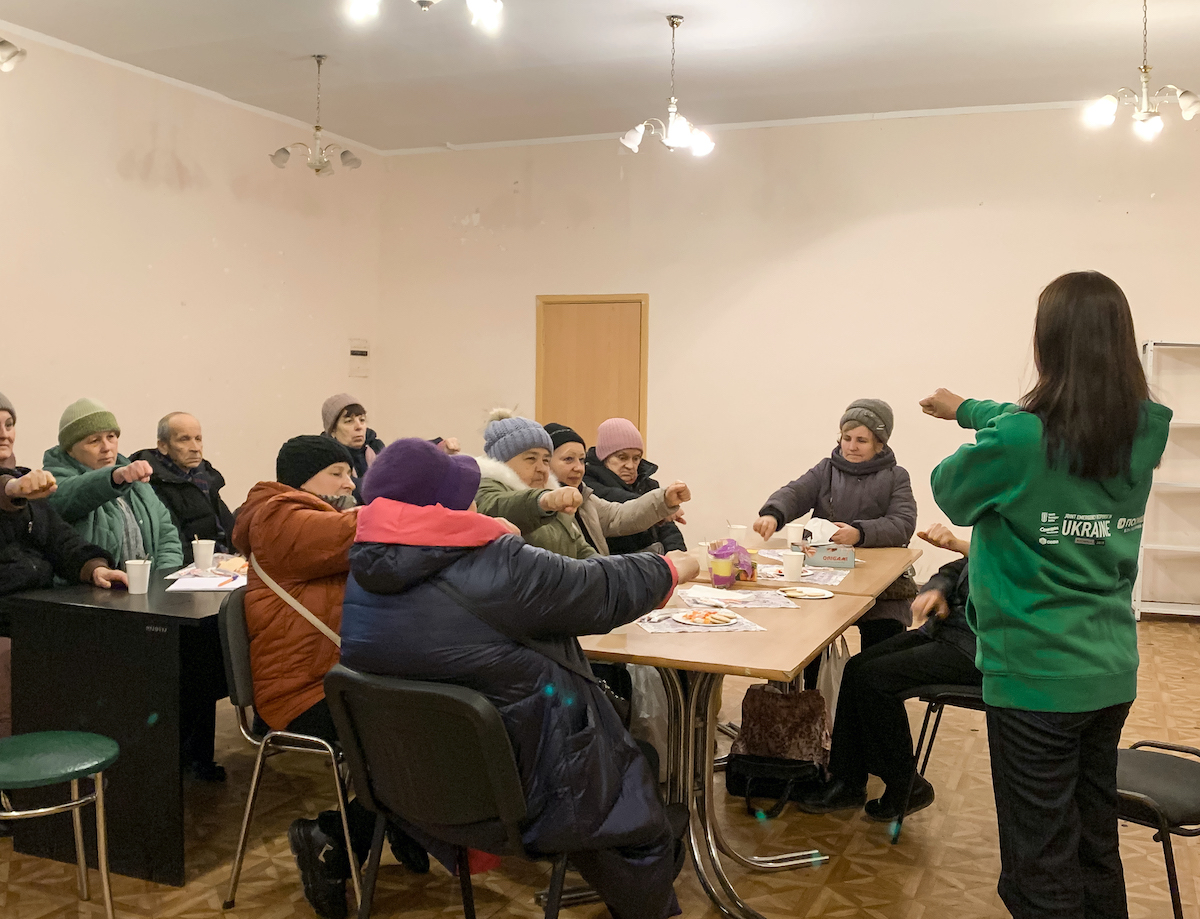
x=832, y=557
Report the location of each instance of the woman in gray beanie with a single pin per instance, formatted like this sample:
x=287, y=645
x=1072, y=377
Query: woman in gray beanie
x=860, y=488
x=515, y=471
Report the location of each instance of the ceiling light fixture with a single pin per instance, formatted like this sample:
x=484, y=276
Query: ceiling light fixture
x=1147, y=122
x=484, y=13
x=318, y=154
x=360, y=11
x=10, y=55
x=678, y=133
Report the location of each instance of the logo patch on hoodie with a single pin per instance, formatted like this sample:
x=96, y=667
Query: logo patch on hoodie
x=1087, y=529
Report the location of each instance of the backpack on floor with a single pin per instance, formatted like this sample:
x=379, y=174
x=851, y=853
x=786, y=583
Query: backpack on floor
x=784, y=739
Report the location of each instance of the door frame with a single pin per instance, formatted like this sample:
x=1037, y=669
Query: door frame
x=550, y=300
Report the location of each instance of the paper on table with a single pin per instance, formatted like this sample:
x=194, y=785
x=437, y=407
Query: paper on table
x=652, y=624
x=696, y=597
x=201, y=584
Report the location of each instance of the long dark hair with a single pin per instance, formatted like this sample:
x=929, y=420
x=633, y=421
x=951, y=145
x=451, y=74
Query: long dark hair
x=1091, y=384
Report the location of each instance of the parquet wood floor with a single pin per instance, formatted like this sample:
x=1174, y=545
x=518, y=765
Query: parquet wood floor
x=945, y=866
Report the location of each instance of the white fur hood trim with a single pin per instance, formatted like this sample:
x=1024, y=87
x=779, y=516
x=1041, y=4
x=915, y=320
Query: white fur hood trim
x=502, y=473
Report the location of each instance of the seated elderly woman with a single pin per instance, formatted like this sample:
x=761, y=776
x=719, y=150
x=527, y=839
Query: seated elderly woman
x=298, y=531
x=598, y=518
x=871, y=732
x=103, y=495
x=440, y=592
x=617, y=470
x=515, y=474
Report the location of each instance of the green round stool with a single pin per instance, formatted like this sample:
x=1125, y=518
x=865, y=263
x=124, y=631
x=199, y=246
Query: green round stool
x=50, y=758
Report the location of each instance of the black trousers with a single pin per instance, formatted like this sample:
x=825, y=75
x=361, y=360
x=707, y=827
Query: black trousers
x=1055, y=779
x=870, y=633
x=870, y=730
x=202, y=685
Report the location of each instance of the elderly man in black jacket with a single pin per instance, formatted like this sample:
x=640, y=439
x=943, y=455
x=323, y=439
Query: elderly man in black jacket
x=188, y=484
x=439, y=592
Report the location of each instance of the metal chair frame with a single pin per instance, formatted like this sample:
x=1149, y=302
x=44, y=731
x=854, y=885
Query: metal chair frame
x=75, y=806
x=966, y=697
x=271, y=744
x=1163, y=827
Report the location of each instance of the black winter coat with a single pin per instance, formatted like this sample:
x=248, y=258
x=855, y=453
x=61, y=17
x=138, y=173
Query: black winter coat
x=953, y=581
x=609, y=486
x=586, y=783
x=195, y=515
x=36, y=544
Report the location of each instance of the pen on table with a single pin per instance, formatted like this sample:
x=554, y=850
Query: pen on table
x=228, y=580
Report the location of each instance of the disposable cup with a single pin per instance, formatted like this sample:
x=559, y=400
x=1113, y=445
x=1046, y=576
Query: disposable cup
x=738, y=533
x=720, y=571
x=794, y=532
x=202, y=553
x=138, y=572
x=702, y=554
x=793, y=565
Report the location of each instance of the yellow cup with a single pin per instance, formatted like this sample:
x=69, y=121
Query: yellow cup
x=720, y=567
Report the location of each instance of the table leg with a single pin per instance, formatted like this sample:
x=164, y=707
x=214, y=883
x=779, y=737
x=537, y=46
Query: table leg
x=704, y=692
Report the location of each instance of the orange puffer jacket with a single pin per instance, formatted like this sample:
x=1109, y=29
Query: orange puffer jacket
x=303, y=544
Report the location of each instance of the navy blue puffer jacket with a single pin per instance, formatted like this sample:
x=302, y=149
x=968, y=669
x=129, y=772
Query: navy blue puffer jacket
x=586, y=784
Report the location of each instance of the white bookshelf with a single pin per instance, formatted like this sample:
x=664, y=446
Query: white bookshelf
x=1169, y=562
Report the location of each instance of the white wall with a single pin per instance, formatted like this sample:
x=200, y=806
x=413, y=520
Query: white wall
x=152, y=258
x=793, y=270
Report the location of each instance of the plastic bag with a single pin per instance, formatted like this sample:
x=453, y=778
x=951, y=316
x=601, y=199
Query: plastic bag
x=725, y=559
x=649, y=721
x=829, y=679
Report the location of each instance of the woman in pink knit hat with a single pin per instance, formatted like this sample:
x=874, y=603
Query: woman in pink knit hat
x=618, y=471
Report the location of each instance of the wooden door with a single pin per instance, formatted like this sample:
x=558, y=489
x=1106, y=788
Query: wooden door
x=591, y=360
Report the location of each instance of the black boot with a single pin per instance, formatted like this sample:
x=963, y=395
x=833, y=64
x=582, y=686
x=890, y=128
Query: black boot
x=410, y=853
x=832, y=795
x=887, y=808
x=316, y=855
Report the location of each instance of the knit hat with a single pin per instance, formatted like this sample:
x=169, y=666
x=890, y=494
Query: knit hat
x=561, y=434
x=617, y=434
x=332, y=408
x=873, y=414
x=7, y=406
x=508, y=435
x=303, y=457
x=417, y=472
x=83, y=418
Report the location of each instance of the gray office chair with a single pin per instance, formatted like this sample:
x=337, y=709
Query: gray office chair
x=1162, y=792
x=436, y=756
x=936, y=698
x=235, y=649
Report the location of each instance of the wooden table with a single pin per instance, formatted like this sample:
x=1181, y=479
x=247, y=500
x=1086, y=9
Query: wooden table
x=877, y=569
x=792, y=639
x=86, y=659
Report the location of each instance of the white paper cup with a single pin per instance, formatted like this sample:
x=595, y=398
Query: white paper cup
x=738, y=533
x=793, y=565
x=138, y=571
x=202, y=553
x=794, y=533
x=702, y=555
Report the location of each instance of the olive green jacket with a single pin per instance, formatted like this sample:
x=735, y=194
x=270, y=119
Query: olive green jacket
x=503, y=494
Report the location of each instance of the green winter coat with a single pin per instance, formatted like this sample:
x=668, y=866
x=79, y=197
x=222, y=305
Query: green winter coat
x=503, y=494
x=86, y=500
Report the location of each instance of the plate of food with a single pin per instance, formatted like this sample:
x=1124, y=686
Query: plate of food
x=708, y=617
x=806, y=593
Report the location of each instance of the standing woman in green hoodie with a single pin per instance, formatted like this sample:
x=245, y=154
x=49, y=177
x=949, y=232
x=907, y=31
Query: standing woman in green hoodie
x=1056, y=490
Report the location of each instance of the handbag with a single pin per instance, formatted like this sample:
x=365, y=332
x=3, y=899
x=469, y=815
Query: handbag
x=294, y=603
x=622, y=707
x=829, y=678
x=783, y=738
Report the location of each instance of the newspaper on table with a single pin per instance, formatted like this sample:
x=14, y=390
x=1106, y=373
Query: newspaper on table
x=826, y=577
x=701, y=597
x=662, y=621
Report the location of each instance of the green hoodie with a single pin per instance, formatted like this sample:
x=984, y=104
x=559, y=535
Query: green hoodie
x=86, y=500
x=1053, y=561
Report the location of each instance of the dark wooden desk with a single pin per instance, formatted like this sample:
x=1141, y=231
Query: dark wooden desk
x=86, y=659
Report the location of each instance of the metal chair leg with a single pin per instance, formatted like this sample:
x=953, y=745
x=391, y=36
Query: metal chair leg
x=102, y=845
x=937, y=723
x=464, y=882
x=912, y=779
x=341, y=803
x=81, y=877
x=236, y=869
x=1172, y=879
x=368, y=889
x=557, y=878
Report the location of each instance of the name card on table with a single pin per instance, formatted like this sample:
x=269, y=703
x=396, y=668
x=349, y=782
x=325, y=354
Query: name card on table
x=832, y=557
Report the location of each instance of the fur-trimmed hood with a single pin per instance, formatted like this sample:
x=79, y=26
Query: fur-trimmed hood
x=502, y=473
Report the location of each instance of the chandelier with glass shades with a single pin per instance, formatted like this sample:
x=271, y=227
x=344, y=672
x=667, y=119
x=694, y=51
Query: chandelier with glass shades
x=677, y=133
x=484, y=13
x=1147, y=122
x=318, y=154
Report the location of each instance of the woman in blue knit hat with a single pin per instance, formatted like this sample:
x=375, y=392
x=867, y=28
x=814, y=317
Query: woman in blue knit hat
x=515, y=473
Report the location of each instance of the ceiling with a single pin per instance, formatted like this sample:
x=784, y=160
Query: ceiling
x=569, y=67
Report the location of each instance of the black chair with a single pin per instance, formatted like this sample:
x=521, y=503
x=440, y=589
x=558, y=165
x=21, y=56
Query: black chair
x=437, y=757
x=936, y=698
x=235, y=649
x=1162, y=792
